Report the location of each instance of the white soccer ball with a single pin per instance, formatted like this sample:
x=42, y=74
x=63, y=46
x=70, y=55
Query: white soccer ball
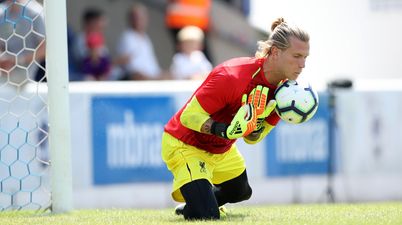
x=296, y=102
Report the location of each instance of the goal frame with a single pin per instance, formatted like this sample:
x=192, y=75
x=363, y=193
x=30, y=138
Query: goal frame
x=58, y=103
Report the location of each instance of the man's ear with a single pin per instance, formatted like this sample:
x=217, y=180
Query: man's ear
x=275, y=52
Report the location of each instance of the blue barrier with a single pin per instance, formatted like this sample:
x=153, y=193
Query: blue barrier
x=126, y=137
x=300, y=149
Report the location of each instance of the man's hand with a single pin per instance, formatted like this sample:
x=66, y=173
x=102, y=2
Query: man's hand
x=244, y=122
x=258, y=97
x=249, y=118
x=268, y=109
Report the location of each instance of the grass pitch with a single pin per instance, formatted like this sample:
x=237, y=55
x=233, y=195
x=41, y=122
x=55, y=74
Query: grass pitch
x=353, y=214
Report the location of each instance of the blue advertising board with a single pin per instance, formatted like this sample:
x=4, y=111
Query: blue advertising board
x=126, y=138
x=297, y=149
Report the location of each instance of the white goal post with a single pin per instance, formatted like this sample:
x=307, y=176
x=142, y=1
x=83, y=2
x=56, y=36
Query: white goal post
x=58, y=100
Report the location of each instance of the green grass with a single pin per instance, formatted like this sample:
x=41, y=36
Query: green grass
x=353, y=214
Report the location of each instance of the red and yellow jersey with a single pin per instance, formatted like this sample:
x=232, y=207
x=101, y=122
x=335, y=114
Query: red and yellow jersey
x=220, y=95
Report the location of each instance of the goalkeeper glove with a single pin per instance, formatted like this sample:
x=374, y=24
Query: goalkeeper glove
x=267, y=111
x=243, y=123
x=258, y=97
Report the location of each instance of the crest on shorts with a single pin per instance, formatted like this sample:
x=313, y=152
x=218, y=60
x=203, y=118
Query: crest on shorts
x=202, y=169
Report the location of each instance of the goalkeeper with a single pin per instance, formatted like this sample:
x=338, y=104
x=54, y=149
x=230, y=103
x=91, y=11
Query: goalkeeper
x=235, y=101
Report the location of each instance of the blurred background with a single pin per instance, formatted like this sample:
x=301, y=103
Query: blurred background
x=133, y=64
x=358, y=39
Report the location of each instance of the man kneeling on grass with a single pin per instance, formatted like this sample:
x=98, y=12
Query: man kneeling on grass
x=234, y=101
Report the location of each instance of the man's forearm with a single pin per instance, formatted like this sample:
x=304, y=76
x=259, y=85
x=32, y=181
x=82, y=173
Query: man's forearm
x=206, y=127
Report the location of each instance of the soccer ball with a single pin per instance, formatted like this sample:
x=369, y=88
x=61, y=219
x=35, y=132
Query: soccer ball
x=296, y=102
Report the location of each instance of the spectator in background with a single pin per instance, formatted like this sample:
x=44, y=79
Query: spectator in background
x=189, y=62
x=182, y=13
x=73, y=68
x=22, y=35
x=96, y=65
x=94, y=21
x=135, y=50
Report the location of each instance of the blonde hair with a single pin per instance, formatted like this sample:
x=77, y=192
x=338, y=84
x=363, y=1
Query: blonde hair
x=190, y=33
x=280, y=34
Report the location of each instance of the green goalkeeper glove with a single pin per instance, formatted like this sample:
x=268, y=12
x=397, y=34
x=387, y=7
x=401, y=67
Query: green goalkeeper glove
x=243, y=123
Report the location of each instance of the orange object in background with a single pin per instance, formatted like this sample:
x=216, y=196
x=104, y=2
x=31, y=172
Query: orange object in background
x=181, y=13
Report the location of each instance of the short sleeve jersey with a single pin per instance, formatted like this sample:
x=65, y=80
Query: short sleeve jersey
x=220, y=96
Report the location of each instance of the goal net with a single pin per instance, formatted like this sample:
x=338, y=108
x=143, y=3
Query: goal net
x=28, y=153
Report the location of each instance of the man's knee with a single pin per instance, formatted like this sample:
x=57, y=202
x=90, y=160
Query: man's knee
x=247, y=193
x=241, y=194
x=235, y=190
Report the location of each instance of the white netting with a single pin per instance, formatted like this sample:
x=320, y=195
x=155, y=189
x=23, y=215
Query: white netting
x=23, y=107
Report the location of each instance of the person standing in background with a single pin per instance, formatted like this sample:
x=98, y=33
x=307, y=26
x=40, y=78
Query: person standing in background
x=135, y=50
x=96, y=65
x=93, y=21
x=189, y=62
x=182, y=13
